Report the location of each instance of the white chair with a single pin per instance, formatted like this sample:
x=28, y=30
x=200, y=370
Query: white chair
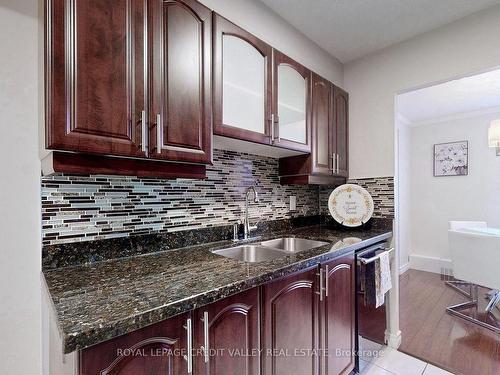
x=458, y=285
x=475, y=254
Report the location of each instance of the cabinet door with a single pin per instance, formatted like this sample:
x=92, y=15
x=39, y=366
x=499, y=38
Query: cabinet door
x=242, y=83
x=154, y=350
x=181, y=116
x=231, y=329
x=341, y=115
x=322, y=126
x=95, y=76
x=290, y=325
x=291, y=94
x=338, y=317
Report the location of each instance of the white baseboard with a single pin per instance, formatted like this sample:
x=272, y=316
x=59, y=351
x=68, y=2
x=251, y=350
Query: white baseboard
x=405, y=267
x=429, y=264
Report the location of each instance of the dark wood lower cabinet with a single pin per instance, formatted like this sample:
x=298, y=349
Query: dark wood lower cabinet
x=154, y=350
x=232, y=328
x=338, y=317
x=287, y=327
x=290, y=325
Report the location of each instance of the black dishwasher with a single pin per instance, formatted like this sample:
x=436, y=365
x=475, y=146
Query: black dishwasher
x=370, y=320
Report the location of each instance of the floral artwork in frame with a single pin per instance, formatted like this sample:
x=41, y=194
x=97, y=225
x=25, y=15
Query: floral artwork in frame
x=451, y=159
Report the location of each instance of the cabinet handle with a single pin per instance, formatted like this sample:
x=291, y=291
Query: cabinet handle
x=332, y=158
x=337, y=163
x=143, y=131
x=189, y=356
x=205, y=347
x=272, y=127
x=327, y=272
x=158, y=133
x=321, y=288
x=277, y=125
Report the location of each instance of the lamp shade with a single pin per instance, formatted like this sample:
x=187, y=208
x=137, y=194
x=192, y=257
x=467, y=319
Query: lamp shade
x=494, y=134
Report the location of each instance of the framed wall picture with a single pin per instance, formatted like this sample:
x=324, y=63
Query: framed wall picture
x=451, y=159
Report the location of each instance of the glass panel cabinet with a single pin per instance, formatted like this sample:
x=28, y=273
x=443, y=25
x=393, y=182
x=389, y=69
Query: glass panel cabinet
x=243, y=91
x=242, y=83
x=291, y=104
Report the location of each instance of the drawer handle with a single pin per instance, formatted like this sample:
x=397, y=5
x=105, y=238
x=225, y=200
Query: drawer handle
x=327, y=272
x=205, y=347
x=158, y=134
x=189, y=357
x=143, y=131
x=321, y=287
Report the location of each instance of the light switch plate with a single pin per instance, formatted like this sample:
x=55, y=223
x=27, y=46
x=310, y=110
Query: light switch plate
x=293, y=203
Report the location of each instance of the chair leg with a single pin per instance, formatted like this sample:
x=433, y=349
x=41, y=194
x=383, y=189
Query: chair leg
x=494, y=299
x=456, y=311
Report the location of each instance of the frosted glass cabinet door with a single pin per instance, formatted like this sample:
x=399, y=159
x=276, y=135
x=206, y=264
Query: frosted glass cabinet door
x=242, y=80
x=291, y=103
x=243, y=85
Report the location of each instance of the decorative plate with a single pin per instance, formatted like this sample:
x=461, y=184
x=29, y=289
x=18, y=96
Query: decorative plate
x=350, y=205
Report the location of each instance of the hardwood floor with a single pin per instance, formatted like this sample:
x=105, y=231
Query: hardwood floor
x=432, y=335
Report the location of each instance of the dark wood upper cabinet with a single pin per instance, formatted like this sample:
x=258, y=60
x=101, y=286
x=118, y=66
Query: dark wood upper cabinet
x=290, y=323
x=149, y=351
x=291, y=104
x=181, y=48
x=323, y=127
x=341, y=116
x=328, y=161
x=242, y=83
x=231, y=328
x=95, y=76
x=112, y=69
x=338, y=316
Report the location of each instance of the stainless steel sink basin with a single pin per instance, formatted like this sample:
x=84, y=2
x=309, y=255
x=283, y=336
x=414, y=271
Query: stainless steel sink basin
x=293, y=245
x=251, y=253
x=269, y=250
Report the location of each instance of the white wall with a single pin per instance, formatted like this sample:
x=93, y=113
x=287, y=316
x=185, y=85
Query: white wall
x=20, y=293
x=255, y=17
x=402, y=184
x=463, y=47
x=434, y=201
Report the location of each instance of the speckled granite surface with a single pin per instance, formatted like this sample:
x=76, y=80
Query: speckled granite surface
x=99, y=301
x=79, y=253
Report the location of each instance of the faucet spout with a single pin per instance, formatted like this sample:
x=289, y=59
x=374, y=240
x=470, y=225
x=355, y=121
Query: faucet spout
x=246, y=225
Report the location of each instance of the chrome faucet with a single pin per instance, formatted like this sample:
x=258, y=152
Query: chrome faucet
x=246, y=225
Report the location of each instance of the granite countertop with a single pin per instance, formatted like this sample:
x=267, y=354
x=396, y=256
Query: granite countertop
x=103, y=300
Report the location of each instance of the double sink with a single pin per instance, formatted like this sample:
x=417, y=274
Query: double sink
x=269, y=250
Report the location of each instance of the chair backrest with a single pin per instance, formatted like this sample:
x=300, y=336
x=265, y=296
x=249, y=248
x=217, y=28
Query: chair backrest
x=455, y=225
x=475, y=257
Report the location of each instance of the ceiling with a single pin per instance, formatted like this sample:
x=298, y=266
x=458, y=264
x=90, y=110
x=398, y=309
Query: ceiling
x=349, y=29
x=475, y=93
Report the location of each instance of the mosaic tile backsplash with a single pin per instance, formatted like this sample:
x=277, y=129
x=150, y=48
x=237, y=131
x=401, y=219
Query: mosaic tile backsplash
x=84, y=208
x=380, y=188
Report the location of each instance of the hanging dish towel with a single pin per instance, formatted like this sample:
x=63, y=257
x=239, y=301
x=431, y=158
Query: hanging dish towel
x=382, y=278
